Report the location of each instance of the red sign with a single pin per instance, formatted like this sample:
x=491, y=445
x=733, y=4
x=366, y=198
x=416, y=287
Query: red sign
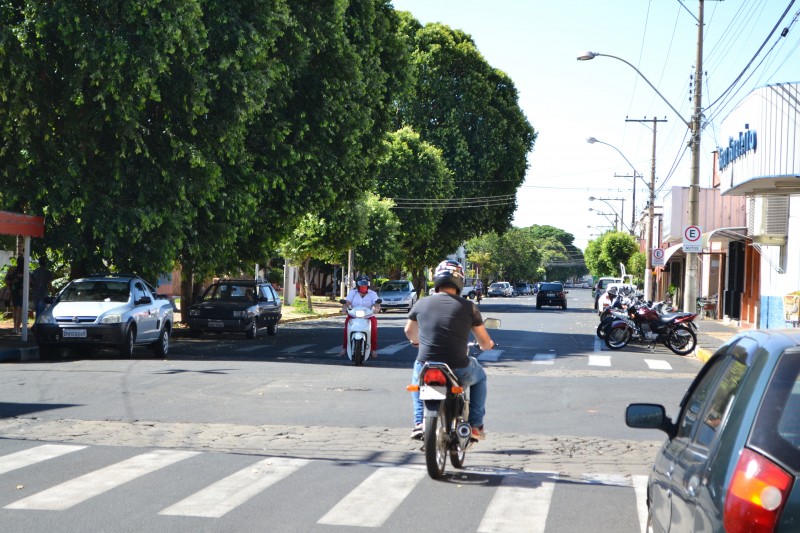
x=25, y=225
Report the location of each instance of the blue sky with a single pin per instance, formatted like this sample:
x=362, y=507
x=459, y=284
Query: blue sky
x=536, y=43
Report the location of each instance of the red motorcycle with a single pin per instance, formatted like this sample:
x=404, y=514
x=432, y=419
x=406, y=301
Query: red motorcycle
x=644, y=324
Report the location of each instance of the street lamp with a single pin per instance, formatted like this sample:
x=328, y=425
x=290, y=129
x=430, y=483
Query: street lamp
x=592, y=140
x=690, y=279
x=622, y=209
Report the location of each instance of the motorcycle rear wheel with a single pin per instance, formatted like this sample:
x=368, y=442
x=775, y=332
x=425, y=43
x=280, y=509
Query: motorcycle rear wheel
x=435, y=445
x=617, y=338
x=358, y=352
x=457, y=456
x=682, y=340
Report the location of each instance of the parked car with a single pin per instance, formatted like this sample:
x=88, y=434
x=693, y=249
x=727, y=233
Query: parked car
x=600, y=288
x=500, y=288
x=397, y=294
x=551, y=294
x=109, y=311
x=522, y=289
x=469, y=291
x=732, y=456
x=237, y=306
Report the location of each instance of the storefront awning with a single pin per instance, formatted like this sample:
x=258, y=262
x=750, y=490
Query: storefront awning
x=672, y=250
x=725, y=235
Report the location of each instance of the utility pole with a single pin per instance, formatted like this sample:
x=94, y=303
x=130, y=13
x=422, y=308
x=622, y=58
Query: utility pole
x=690, y=281
x=633, y=200
x=648, y=271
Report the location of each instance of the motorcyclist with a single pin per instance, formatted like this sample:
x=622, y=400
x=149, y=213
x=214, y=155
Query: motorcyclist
x=362, y=296
x=440, y=325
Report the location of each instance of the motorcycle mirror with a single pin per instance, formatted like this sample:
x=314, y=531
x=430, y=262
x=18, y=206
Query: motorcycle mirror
x=492, y=323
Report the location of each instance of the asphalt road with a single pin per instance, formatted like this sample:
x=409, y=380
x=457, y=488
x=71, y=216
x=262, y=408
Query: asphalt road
x=281, y=434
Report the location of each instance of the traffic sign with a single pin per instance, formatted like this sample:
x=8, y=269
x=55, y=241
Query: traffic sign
x=658, y=257
x=691, y=239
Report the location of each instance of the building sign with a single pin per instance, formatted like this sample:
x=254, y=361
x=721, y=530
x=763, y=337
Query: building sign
x=737, y=147
x=691, y=240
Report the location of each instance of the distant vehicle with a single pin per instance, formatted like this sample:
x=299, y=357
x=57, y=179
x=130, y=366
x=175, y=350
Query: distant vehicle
x=109, y=310
x=237, y=306
x=469, y=291
x=500, y=288
x=586, y=285
x=522, y=289
x=397, y=294
x=601, y=286
x=732, y=455
x=604, y=301
x=551, y=294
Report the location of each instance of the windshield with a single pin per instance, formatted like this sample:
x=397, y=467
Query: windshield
x=497, y=285
x=230, y=292
x=395, y=287
x=96, y=291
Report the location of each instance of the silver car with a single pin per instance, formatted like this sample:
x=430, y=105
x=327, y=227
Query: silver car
x=397, y=294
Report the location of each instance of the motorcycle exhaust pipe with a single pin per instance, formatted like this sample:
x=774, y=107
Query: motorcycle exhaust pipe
x=464, y=432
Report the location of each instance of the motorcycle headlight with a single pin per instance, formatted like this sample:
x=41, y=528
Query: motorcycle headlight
x=114, y=318
x=360, y=313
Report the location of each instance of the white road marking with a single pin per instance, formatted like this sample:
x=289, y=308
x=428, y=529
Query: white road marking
x=617, y=480
x=490, y=355
x=518, y=507
x=333, y=350
x=392, y=349
x=75, y=491
x=640, y=487
x=31, y=456
x=218, y=499
x=599, y=360
x=295, y=349
x=374, y=500
x=543, y=359
x=657, y=364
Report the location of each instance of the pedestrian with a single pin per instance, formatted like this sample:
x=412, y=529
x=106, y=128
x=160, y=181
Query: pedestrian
x=14, y=281
x=440, y=325
x=41, y=286
x=479, y=290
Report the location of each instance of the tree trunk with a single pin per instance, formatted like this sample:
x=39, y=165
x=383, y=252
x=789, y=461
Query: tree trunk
x=187, y=291
x=306, y=264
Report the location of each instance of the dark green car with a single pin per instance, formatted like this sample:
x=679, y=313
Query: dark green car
x=732, y=457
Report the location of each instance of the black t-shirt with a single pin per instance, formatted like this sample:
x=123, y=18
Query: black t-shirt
x=445, y=323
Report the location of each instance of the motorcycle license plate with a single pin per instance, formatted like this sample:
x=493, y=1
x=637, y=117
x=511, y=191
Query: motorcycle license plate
x=73, y=333
x=432, y=392
x=216, y=324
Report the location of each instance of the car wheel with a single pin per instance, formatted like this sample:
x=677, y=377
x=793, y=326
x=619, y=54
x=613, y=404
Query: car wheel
x=252, y=329
x=272, y=329
x=564, y=306
x=471, y=295
x=161, y=346
x=126, y=348
x=45, y=351
x=538, y=306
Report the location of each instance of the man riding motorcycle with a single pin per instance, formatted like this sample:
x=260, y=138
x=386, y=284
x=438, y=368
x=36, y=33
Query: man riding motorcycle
x=440, y=325
x=362, y=296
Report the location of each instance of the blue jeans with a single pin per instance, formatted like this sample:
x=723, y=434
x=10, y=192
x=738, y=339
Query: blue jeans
x=472, y=376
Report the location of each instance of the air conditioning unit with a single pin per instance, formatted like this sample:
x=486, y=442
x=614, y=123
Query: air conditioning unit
x=768, y=220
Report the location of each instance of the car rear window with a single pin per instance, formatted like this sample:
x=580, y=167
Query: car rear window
x=777, y=428
x=557, y=287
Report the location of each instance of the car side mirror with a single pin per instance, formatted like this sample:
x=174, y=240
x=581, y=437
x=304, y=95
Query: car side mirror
x=143, y=300
x=649, y=416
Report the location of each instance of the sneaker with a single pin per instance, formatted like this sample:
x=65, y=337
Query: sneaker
x=416, y=433
x=342, y=352
x=477, y=433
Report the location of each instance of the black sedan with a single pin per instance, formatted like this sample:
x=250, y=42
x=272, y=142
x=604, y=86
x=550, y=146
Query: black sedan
x=551, y=294
x=732, y=457
x=236, y=306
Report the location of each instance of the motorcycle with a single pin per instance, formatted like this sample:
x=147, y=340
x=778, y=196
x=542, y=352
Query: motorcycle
x=359, y=333
x=644, y=324
x=446, y=430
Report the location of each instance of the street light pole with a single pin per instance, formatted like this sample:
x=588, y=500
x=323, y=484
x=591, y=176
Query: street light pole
x=621, y=213
x=592, y=140
x=690, y=278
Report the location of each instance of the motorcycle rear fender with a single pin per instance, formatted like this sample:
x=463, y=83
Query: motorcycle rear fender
x=432, y=408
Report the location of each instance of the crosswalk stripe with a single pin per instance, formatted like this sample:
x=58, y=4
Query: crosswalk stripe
x=362, y=508
x=640, y=487
x=657, y=364
x=544, y=359
x=72, y=492
x=490, y=355
x=518, y=506
x=216, y=500
x=295, y=349
x=599, y=360
x=24, y=458
x=393, y=348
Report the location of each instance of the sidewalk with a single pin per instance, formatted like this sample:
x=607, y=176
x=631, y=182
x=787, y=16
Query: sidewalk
x=711, y=334
x=13, y=349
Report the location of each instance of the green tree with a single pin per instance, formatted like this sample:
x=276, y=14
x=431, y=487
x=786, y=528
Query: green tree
x=605, y=254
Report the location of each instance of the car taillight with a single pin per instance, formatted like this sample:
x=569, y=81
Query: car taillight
x=758, y=491
x=434, y=376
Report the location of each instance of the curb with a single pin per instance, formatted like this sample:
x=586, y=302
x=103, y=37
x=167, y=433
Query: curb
x=703, y=354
